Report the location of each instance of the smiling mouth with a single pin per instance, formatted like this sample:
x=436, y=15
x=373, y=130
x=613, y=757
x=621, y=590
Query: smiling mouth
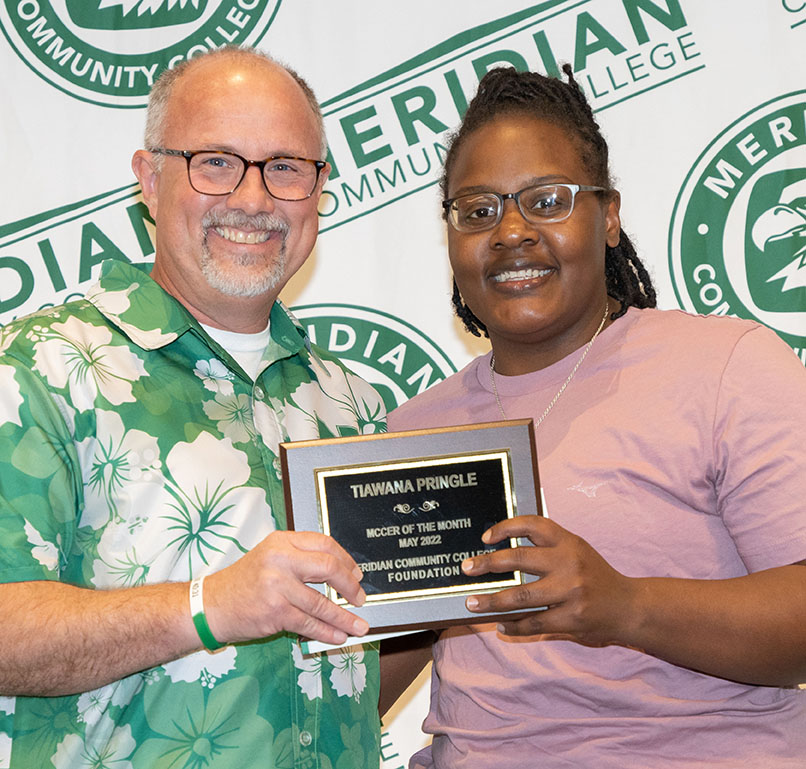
x=525, y=274
x=243, y=236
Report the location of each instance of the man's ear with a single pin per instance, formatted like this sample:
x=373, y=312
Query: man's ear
x=320, y=182
x=147, y=175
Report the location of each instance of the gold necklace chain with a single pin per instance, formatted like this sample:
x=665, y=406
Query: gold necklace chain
x=564, y=384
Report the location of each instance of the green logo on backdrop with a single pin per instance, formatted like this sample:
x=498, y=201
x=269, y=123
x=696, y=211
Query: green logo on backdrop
x=132, y=14
x=738, y=235
x=109, y=52
x=796, y=10
x=388, y=135
x=394, y=356
x=54, y=257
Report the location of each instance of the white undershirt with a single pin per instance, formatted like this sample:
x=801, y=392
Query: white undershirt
x=247, y=349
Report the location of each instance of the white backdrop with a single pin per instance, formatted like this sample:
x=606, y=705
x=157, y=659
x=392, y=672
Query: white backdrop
x=703, y=103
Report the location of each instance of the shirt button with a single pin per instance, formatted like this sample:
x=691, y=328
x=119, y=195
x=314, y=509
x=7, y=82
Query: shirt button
x=305, y=738
x=259, y=394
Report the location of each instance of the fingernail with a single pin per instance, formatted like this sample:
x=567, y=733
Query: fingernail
x=486, y=536
x=360, y=626
x=360, y=598
x=467, y=565
x=358, y=574
x=472, y=603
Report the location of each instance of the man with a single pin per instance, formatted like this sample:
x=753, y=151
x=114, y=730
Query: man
x=139, y=436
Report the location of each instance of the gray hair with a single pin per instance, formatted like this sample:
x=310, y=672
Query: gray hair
x=161, y=93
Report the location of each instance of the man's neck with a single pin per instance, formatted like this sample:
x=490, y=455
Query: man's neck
x=243, y=315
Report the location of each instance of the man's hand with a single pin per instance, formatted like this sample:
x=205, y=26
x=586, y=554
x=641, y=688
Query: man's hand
x=264, y=592
x=63, y=639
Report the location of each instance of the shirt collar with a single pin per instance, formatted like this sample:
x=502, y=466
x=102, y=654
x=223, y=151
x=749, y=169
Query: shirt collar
x=126, y=295
x=129, y=299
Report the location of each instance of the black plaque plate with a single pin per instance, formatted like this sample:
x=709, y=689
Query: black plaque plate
x=410, y=507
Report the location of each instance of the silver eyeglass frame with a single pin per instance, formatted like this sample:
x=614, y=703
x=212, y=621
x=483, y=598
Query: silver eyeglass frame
x=451, y=209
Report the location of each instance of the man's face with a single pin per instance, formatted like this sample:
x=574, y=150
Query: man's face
x=211, y=248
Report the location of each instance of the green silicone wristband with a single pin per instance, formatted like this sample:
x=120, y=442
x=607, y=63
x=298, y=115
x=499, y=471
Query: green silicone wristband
x=205, y=634
x=199, y=619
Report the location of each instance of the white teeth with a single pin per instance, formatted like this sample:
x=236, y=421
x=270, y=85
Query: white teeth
x=520, y=274
x=242, y=236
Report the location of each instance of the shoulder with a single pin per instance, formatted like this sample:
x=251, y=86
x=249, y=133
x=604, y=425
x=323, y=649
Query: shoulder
x=65, y=321
x=442, y=404
x=49, y=315
x=339, y=385
x=727, y=357
x=680, y=321
x=706, y=338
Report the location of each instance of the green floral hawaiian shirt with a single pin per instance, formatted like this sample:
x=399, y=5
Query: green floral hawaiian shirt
x=134, y=450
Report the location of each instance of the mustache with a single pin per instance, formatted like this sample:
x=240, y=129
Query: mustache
x=243, y=221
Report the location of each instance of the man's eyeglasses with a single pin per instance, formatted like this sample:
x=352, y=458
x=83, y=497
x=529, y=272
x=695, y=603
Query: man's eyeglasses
x=211, y=172
x=542, y=204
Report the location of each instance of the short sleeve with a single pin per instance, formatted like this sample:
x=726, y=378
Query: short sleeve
x=760, y=450
x=38, y=492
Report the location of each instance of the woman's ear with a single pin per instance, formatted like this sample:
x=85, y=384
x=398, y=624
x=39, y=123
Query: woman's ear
x=613, y=220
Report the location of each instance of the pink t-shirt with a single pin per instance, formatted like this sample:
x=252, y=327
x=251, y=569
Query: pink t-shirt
x=679, y=449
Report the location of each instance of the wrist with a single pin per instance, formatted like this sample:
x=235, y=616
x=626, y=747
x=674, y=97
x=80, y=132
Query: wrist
x=634, y=610
x=197, y=613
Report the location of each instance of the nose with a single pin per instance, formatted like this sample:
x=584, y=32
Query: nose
x=514, y=230
x=251, y=195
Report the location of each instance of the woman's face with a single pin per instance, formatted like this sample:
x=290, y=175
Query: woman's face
x=538, y=288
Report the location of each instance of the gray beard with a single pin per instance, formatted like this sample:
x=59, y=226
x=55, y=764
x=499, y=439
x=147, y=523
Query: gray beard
x=247, y=282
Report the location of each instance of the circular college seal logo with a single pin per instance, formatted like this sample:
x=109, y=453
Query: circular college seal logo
x=389, y=353
x=737, y=244
x=109, y=52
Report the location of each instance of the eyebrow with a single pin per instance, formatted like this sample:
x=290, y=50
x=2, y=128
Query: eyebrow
x=535, y=181
x=235, y=151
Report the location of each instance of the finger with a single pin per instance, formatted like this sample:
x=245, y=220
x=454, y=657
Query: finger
x=313, y=541
x=518, y=598
x=324, y=568
x=533, y=624
x=317, y=616
x=532, y=560
x=273, y=601
x=342, y=581
x=315, y=565
x=547, y=591
x=556, y=623
x=537, y=529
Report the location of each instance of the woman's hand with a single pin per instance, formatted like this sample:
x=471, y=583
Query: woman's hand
x=587, y=599
x=750, y=628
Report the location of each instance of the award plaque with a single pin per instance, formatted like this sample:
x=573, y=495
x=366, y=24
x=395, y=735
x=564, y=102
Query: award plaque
x=409, y=507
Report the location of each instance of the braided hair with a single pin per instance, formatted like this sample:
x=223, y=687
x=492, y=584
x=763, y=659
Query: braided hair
x=505, y=91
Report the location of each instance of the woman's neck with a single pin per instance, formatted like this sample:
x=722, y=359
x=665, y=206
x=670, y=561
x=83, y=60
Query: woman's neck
x=515, y=356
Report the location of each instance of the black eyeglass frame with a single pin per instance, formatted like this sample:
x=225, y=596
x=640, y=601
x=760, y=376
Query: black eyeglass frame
x=188, y=155
x=516, y=196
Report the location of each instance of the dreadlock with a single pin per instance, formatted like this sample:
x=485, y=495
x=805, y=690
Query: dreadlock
x=505, y=91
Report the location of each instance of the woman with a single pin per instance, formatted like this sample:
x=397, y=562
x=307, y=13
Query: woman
x=672, y=465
